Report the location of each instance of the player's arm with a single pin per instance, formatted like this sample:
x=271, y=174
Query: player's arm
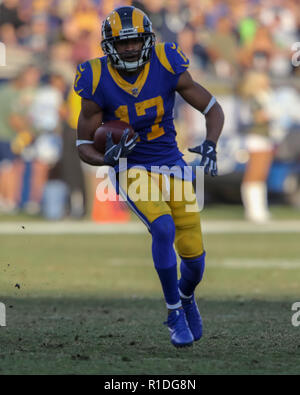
x=203, y=101
x=90, y=119
x=198, y=97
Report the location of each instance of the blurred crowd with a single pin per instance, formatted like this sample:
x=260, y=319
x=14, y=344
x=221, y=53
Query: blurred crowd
x=226, y=37
x=240, y=50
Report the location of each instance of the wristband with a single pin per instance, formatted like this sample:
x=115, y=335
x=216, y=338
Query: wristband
x=211, y=143
x=80, y=142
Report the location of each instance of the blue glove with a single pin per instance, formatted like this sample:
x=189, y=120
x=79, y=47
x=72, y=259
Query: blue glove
x=209, y=156
x=113, y=152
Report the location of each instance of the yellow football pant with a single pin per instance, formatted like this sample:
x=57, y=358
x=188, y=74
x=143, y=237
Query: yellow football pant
x=151, y=195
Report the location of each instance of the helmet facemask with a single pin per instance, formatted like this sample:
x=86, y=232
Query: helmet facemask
x=108, y=47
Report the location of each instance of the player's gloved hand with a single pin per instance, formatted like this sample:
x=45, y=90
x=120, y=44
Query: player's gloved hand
x=209, y=156
x=113, y=152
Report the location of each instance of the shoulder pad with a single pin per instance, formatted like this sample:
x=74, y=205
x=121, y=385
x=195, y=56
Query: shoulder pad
x=87, y=78
x=171, y=57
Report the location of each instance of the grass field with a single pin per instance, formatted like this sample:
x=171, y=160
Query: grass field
x=92, y=304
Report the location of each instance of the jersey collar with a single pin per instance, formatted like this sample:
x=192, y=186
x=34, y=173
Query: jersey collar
x=132, y=89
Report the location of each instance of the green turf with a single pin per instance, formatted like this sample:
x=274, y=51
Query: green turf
x=88, y=304
x=210, y=211
x=236, y=212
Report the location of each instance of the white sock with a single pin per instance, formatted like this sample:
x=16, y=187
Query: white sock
x=183, y=296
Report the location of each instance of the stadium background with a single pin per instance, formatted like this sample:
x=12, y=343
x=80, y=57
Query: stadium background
x=60, y=304
x=225, y=41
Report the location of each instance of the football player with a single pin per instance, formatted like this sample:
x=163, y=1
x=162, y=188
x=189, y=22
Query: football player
x=136, y=82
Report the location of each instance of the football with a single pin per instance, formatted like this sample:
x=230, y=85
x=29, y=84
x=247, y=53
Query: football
x=116, y=128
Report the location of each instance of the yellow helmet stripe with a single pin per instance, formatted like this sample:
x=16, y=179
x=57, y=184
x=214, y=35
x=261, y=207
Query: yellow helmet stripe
x=115, y=23
x=138, y=20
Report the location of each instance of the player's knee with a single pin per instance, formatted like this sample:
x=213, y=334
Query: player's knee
x=163, y=228
x=189, y=244
x=188, y=240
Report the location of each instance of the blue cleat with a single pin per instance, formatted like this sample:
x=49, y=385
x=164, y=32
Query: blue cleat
x=193, y=316
x=181, y=336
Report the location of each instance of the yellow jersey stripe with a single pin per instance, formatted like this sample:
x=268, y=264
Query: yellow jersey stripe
x=161, y=54
x=73, y=102
x=138, y=20
x=96, y=71
x=115, y=23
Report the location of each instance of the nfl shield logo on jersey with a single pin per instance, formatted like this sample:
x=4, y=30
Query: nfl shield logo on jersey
x=135, y=91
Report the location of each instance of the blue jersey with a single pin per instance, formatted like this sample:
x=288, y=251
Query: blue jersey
x=146, y=104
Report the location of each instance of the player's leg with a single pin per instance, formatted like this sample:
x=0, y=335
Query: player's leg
x=189, y=245
x=156, y=214
x=254, y=191
x=254, y=196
